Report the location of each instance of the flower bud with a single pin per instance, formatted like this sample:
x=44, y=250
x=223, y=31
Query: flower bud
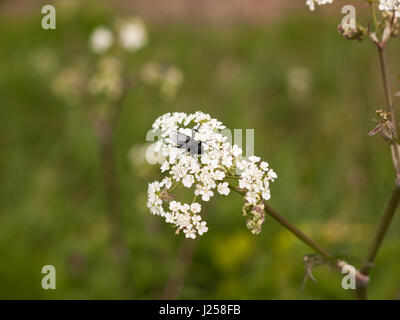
x=357, y=33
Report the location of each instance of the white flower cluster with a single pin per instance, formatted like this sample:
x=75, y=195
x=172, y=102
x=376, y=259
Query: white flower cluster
x=390, y=5
x=311, y=3
x=205, y=173
x=255, y=178
x=132, y=36
x=384, y=5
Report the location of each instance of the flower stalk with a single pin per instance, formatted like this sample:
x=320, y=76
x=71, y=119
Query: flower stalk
x=379, y=236
x=361, y=279
x=392, y=205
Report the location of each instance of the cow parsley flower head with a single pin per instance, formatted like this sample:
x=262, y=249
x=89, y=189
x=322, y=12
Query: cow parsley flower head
x=213, y=169
x=311, y=3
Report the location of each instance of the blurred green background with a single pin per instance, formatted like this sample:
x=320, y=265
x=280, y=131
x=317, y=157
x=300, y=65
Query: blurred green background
x=309, y=94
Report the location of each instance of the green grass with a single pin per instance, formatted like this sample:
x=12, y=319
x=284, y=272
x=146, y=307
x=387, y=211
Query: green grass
x=333, y=178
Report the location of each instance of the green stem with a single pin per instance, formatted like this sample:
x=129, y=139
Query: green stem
x=391, y=207
x=105, y=135
x=374, y=19
x=232, y=177
x=294, y=230
x=390, y=106
x=382, y=228
x=388, y=96
x=175, y=186
x=297, y=232
x=379, y=236
x=361, y=280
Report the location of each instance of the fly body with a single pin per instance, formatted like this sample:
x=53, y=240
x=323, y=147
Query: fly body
x=187, y=143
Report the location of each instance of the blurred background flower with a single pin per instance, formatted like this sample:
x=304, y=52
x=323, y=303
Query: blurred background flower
x=299, y=83
x=167, y=78
x=101, y=39
x=132, y=34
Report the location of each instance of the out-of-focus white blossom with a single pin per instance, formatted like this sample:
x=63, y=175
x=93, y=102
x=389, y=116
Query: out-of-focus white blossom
x=311, y=3
x=298, y=83
x=107, y=79
x=168, y=78
x=101, y=39
x=390, y=5
x=132, y=35
x=212, y=169
x=69, y=82
x=44, y=61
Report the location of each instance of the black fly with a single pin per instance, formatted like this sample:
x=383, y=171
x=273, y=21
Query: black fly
x=187, y=143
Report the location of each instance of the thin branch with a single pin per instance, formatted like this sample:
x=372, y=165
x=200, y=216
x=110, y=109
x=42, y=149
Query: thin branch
x=395, y=148
x=382, y=228
x=391, y=207
x=379, y=236
x=389, y=100
x=176, y=280
x=105, y=135
x=297, y=232
x=360, y=278
x=373, y=15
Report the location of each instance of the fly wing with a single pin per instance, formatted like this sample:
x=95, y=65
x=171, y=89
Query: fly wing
x=178, y=138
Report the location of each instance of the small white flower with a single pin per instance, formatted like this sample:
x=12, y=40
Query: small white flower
x=223, y=188
x=190, y=232
x=185, y=208
x=266, y=195
x=167, y=182
x=196, y=219
x=101, y=39
x=272, y=175
x=188, y=180
x=207, y=194
x=254, y=159
x=169, y=218
x=165, y=166
x=202, y=227
x=311, y=3
x=236, y=151
x=252, y=198
x=219, y=175
x=174, y=206
x=264, y=165
x=195, y=207
x=227, y=161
